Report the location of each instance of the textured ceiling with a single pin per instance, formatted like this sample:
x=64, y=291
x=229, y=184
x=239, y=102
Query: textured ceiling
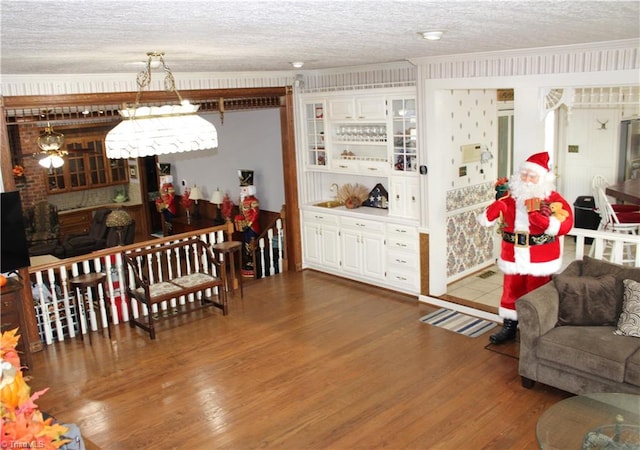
x=113, y=36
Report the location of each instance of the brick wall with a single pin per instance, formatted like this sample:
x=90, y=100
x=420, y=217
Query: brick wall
x=33, y=189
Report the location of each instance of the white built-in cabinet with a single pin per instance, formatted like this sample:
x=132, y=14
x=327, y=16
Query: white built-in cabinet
x=321, y=235
x=362, y=247
x=369, y=136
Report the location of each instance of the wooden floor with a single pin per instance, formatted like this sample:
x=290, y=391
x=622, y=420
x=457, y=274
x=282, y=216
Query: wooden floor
x=304, y=361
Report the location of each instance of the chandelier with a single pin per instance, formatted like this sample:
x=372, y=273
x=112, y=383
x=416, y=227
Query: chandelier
x=50, y=143
x=159, y=130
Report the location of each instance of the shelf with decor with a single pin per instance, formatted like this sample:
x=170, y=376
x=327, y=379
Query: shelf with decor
x=359, y=148
x=316, y=156
x=404, y=135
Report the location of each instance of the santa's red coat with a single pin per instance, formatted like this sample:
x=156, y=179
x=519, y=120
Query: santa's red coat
x=536, y=260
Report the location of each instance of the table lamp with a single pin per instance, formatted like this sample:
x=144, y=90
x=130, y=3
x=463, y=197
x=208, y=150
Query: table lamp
x=217, y=198
x=196, y=195
x=118, y=219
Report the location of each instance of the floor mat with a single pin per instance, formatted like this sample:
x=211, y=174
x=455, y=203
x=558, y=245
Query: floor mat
x=457, y=322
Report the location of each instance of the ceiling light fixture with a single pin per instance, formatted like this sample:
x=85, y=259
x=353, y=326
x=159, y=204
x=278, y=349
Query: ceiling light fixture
x=297, y=64
x=159, y=130
x=50, y=143
x=431, y=35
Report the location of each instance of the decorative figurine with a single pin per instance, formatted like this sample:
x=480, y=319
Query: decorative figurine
x=247, y=223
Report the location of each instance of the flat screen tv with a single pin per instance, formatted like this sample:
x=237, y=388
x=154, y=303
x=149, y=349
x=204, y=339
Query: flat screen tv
x=14, y=253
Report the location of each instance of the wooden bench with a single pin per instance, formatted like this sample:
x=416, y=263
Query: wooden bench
x=171, y=279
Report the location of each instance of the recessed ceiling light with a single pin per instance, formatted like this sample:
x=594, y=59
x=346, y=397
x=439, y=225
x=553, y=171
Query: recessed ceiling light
x=431, y=35
x=297, y=64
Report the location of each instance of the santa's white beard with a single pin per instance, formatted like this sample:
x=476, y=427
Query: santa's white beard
x=523, y=191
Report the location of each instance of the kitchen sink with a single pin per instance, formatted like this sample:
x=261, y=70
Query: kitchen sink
x=329, y=204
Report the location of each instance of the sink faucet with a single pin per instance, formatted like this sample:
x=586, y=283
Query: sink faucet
x=334, y=188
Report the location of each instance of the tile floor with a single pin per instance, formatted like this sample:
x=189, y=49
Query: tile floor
x=485, y=287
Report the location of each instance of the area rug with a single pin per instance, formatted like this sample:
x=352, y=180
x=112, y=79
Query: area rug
x=457, y=322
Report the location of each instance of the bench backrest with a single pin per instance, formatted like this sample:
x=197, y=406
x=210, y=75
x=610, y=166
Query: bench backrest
x=167, y=261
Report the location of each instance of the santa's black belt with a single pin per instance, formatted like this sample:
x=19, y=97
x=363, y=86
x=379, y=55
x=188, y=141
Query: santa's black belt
x=524, y=239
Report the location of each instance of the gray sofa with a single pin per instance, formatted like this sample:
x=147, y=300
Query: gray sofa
x=567, y=330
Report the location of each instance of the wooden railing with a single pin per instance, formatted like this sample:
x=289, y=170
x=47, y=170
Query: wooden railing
x=54, y=299
x=267, y=250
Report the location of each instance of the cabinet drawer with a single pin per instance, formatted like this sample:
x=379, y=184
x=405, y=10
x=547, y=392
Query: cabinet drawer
x=373, y=167
x=400, y=260
x=402, y=231
x=344, y=165
x=318, y=217
x=8, y=305
x=361, y=225
x=407, y=279
x=73, y=219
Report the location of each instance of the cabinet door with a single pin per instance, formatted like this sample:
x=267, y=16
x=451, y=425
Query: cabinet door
x=118, y=171
x=351, y=251
x=312, y=243
x=96, y=165
x=404, y=199
x=321, y=245
x=373, y=255
x=316, y=154
x=404, y=138
x=77, y=170
x=371, y=108
x=330, y=246
x=341, y=108
x=55, y=180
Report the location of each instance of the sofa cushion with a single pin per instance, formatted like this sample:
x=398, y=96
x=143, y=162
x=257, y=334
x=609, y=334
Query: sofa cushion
x=629, y=321
x=586, y=300
x=594, y=350
x=596, y=267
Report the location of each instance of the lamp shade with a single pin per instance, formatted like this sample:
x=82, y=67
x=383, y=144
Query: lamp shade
x=118, y=218
x=160, y=130
x=53, y=160
x=195, y=193
x=217, y=197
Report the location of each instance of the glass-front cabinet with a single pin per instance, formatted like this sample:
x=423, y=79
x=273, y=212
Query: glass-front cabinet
x=403, y=117
x=86, y=165
x=315, y=126
x=365, y=135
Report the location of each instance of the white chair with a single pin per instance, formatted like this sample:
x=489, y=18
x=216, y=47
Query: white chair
x=614, y=218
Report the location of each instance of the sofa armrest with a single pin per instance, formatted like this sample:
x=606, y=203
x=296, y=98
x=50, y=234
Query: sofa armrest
x=537, y=314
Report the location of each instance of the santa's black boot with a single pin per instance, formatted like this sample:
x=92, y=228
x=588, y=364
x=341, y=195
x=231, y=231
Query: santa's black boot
x=508, y=332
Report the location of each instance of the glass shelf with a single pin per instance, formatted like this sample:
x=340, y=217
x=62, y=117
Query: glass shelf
x=404, y=135
x=316, y=152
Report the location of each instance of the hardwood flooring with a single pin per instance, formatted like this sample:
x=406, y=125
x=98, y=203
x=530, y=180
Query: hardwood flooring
x=304, y=361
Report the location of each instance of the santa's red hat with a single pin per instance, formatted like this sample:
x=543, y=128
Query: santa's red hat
x=538, y=163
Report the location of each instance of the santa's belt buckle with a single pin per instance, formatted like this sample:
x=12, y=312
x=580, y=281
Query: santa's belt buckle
x=521, y=239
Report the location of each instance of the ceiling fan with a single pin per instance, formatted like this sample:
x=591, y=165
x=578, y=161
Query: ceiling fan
x=51, y=154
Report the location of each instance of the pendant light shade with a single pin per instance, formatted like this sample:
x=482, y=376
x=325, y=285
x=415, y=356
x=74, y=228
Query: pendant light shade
x=159, y=130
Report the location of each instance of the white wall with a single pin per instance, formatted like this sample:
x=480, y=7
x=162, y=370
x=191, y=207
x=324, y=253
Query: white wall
x=247, y=140
x=597, y=151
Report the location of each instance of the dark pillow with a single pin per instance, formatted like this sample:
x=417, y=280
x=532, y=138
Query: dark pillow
x=592, y=267
x=586, y=300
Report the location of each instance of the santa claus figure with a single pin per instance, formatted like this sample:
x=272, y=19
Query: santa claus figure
x=531, y=216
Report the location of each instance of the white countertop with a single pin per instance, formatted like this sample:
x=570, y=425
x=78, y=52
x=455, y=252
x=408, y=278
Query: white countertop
x=365, y=212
